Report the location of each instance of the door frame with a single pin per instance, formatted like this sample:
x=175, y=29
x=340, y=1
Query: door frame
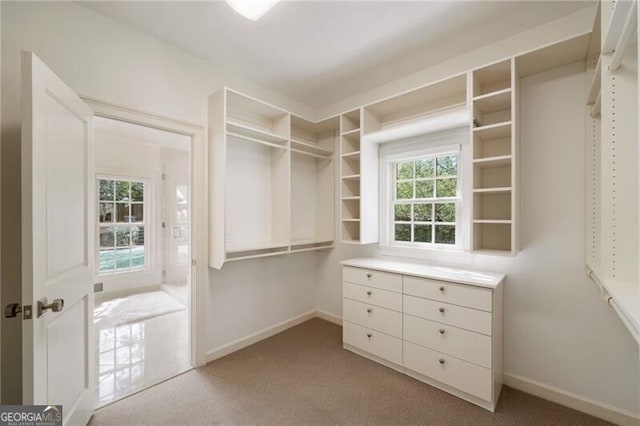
x=199, y=287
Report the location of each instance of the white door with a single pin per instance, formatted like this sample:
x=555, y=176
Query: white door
x=57, y=243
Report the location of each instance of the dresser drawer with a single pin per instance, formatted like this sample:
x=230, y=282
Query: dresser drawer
x=458, y=316
x=371, y=278
x=459, y=374
x=373, y=342
x=463, y=344
x=456, y=294
x=373, y=296
x=373, y=317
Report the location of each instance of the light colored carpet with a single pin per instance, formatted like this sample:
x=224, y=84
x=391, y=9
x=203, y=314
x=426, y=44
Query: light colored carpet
x=303, y=376
x=137, y=307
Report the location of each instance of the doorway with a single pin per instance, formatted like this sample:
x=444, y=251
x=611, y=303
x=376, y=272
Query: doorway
x=143, y=257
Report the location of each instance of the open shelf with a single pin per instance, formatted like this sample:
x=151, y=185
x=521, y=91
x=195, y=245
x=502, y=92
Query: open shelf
x=350, y=122
x=492, y=206
x=415, y=105
x=492, y=177
x=497, y=161
x=252, y=115
x=300, y=247
x=351, y=177
x=350, y=231
x=488, y=148
x=492, y=78
x=351, y=143
x=317, y=138
x=350, y=209
x=494, y=237
x=351, y=166
x=350, y=188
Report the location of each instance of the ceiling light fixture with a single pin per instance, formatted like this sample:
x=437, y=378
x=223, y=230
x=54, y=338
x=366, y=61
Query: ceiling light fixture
x=252, y=9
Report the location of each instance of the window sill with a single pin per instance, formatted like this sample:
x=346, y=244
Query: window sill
x=435, y=254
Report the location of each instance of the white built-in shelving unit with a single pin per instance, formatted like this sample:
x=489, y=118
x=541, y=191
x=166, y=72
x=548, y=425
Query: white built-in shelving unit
x=271, y=180
x=494, y=145
x=352, y=201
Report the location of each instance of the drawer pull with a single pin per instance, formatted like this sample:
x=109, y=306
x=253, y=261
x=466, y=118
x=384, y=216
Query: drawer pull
x=369, y=310
x=441, y=331
x=368, y=275
x=441, y=310
x=369, y=335
x=442, y=289
x=369, y=293
x=441, y=361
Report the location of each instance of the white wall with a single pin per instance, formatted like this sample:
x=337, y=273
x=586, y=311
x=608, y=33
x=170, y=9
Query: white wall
x=557, y=331
x=100, y=58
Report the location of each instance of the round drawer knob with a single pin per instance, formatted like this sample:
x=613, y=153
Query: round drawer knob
x=368, y=275
x=369, y=335
x=442, y=289
x=369, y=293
x=441, y=361
x=369, y=310
x=441, y=331
x=441, y=310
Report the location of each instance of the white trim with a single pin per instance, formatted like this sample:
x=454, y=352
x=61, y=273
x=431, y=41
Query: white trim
x=199, y=294
x=252, y=338
x=569, y=399
x=328, y=316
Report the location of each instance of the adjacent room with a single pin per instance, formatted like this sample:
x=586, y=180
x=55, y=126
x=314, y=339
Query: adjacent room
x=320, y=212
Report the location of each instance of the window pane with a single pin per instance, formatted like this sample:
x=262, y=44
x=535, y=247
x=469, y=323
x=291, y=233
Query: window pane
x=123, y=258
x=123, y=235
x=403, y=212
x=447, y=166
x=403, y=232
x=424, y=189
x=137, y=235
x=404, y=190
x=404, y=170
x=424, y=168
x=422, y=212
x=106, y=237
x=105, y=211
x=445, y=234
x=106, y=190
x=445, y=212
x=137, y=212
x=122, y=212
x=446, y=187
x=137, y=256
x=107, y=260
x=422, y=233
x=122, y=191
x=137, y=191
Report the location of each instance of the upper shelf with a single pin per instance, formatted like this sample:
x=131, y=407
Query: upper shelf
x=414, y=105
x=553, y=56
x=314, y=138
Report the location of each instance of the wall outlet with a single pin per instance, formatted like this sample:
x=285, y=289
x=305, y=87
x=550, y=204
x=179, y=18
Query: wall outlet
x=98, y=287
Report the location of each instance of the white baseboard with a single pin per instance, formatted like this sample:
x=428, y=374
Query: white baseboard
x=265, y=333
x=581, y=403
x=328, y=316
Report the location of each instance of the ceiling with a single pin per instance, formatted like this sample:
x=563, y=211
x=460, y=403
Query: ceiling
x=320, y=52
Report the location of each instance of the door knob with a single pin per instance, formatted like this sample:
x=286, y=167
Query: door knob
x=56, y=305
x=12, y=310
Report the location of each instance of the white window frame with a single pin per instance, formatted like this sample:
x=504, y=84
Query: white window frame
x=146, y=222
x=433, y=145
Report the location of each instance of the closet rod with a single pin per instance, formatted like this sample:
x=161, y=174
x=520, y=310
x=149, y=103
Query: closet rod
x=625, y=37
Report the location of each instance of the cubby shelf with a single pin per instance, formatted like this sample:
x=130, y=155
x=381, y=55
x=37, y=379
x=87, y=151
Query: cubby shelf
x=494, y=131
x=494, y=101
x=351, y=132
x=500, y=190
x=351, y=154
x=351, y=177
x=498, y=161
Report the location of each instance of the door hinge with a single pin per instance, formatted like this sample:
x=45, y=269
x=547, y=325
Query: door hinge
x=193, y=262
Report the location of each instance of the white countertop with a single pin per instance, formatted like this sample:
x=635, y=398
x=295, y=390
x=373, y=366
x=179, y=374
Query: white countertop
x=445, y=273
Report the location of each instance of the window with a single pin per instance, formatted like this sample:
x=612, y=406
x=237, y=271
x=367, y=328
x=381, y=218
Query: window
x=121, y=225
x=425, y=200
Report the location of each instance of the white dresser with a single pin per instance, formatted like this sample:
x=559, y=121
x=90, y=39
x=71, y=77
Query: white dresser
x=441, y=325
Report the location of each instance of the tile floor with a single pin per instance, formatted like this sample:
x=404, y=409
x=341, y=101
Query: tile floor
x=136, y=355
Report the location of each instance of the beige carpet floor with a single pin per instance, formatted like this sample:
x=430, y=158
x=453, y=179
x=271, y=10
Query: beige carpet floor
x=303, y=376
